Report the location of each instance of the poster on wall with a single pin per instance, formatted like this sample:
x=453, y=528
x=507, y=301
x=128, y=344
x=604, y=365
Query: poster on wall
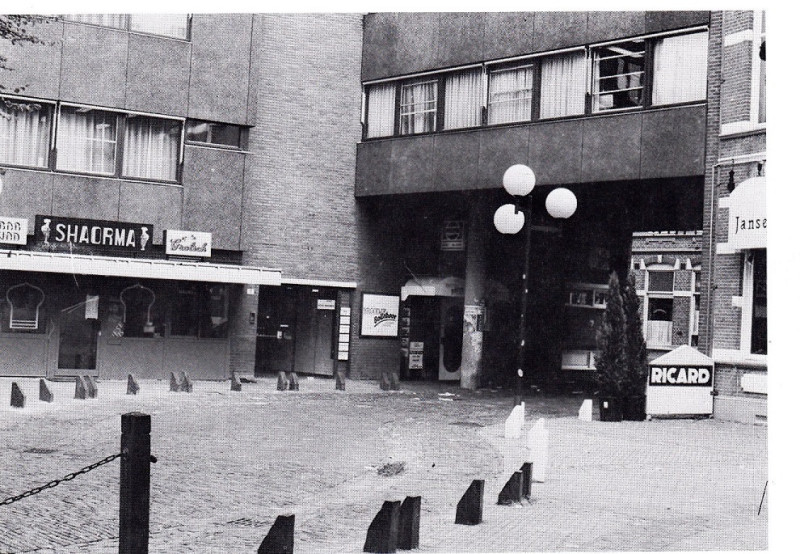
x=379, y=314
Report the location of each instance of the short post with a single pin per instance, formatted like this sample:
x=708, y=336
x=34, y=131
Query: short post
x=383, y=531
x=512, y=491
x=408, y=533
x=469, y=510
x=134, y=484
x=17, y=397
x=280, y=539
x=44, y=392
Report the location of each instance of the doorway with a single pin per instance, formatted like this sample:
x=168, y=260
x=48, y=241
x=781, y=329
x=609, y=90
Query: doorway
x=77, y=341
x=451, y=338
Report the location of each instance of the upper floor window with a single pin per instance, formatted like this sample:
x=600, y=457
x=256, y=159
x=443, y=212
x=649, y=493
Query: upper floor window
x=168, y=25
x=563, y=91
x=380, y=109
x=510, y=94
x=218, y=134
x=463, y=101
x=25, y=133
x=418, y=102
x=680, y=68
x=618, y=75
x=760, y=43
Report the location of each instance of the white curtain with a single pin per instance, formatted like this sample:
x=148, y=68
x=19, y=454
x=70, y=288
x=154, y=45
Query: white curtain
x=418, y=108
x=24, y=135
x=462, y=104
x=151, y=148
x=120, y=21
x=680, y=66
x=380, y=110
x=563, y=85
x=87, y=141
x=510, y=93
x=171, y=25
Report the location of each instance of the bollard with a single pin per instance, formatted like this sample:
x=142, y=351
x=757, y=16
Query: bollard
x=513, y=427
x=134, y=484
x=17, y=398
x=385, y=382
x=133, y=386
x=512, y=491
x=186, y=383
x=283, y=383
x=45, y=395
x=585, y=413
x=80, y=388
x=280, y=539
x=470, y=508
x=294, y=382
x=340, y=382
x=382, y=532
x=527, y=472
x=174, y=385
x=394, y=381
x=538, y=439
x=236, y=384
x=91, y=386
x=408, y=531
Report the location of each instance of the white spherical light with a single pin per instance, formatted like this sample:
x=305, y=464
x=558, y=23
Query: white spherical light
x=519, y=180
x=508, y=220
x=561, y=203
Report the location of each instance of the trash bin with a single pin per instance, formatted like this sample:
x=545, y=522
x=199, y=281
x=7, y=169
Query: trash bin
x=609, y=410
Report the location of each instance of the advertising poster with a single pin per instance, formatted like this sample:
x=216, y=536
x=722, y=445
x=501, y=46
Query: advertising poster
x=379, y=315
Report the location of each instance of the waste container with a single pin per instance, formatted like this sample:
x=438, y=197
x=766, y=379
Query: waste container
x=609, y=410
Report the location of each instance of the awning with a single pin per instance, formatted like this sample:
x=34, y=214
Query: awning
x=24, y=260
x=433, y=286
x=747, y=215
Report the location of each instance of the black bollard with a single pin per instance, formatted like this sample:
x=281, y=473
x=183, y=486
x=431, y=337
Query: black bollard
x=294, y=382
x=382, y=532
x=80, y=388
x=236, y=384
x=470, y=508
x=527, y=470
x=91, y=386
x=386, y=383
x=133, y=386
x=280, y=539
x=45, y=395
x=512, y=491
x=408, y=533
x=340, y=382
x=283, y=383
x=186, y=383
x=394, y=381
x=134, y=484
x=174, y=385
x=17, y=398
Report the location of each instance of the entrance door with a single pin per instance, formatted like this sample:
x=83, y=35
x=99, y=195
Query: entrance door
x=452, y=329
x=275, y=337
x=316, y=307
x=77, y=342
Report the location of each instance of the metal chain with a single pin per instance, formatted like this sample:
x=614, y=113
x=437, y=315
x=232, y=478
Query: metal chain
x=55, y=482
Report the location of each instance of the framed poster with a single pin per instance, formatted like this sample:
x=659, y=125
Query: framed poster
x=379, y=314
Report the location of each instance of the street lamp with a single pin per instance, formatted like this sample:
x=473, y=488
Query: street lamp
x=509, y=219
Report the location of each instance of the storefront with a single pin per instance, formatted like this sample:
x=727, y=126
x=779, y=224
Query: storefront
x=95, y=297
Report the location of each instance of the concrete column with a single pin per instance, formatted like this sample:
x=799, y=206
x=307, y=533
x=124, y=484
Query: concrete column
x=474, y=301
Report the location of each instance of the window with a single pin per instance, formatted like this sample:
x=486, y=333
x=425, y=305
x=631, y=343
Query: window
x=24, y=133
x=141, y=315
x=659, y=302
x=200, y=310
x=660, y=281
x=510, y=94
x=563, y=89
x=618, y=75
x=88, y=141
x=418, y=107
x=380, y=110
x=169, y=25
x=21, y=311
x=463, y=99
x=680, y=65
x=218, y=134
x=758, y=333
x=761, y=63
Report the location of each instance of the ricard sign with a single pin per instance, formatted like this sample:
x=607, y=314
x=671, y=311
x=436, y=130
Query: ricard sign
x=187, y=243
x=92, y=235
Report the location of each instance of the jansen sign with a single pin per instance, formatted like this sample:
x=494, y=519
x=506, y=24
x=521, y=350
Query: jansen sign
x=13, y=230
x=187, y=243
x=93, y=235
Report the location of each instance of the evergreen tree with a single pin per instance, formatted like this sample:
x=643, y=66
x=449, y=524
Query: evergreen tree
x=611, y=362
x=636, y=354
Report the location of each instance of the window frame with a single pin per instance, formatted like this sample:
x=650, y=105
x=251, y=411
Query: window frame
x=127, y=26
x=37, y=326
x=645, y=85
x=535, y=66
x=52, y=116
x=438, y=112
x=242, y=130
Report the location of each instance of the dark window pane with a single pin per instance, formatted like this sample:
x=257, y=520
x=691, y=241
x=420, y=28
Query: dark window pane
x=758, y=339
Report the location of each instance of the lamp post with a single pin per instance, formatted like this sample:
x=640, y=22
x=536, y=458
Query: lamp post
x=509, y=219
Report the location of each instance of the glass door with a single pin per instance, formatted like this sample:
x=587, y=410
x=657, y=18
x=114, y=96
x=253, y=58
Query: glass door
x=77, y=344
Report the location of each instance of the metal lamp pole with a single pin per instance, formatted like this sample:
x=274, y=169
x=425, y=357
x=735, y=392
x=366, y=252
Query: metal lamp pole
x=524, y=303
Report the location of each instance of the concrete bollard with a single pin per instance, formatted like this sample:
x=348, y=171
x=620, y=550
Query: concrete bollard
x=585, y=413
x=538, y=439
x=133, y=386
x=527, y=472
x=386, y=383
x=236, y=384
x=186, y=383
x=340, y=381
x=294, y=381
x=174, y=384
x=470, y=508
x=383, y=531
x=512, y=490
x=513, y=428
x=17, y=398
x=283, y=382
x=80, y=388
x=394, y=381
x=280, y=539
x=408, y=533
x=45, y=394
x=91, y=386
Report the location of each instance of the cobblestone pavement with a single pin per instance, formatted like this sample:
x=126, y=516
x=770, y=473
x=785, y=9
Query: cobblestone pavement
x=229, y=463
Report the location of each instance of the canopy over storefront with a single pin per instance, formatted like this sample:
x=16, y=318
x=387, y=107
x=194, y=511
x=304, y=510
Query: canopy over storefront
x=747, y=215
x=433, y=286
x=24, y=260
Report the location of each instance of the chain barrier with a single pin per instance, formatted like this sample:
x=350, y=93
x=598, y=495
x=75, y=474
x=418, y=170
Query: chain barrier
x=56, y=482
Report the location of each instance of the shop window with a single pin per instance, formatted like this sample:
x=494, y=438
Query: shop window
x=463, y=102
x=680, y=66
x=758, y=340
x=25, y=133
x=200, y=310
x=510, y=94
x=618, y=75
x=168, y=25
x=418, y=102
x=563, y=91
x=141, y=315
x=217, y=134
x=21, y=312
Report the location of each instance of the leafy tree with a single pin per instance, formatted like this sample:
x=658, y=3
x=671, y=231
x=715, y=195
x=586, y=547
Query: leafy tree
x=636, y=354
x=16, y=30
x=611, y=362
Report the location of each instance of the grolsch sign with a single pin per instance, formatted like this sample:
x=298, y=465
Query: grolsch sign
x=92, y=235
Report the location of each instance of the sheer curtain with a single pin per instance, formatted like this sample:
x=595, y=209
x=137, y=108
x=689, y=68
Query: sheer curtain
x=171, y=25
x=510, y=93
x=24, y=135
x=418, y=108
x=151, y=148
x=462, y=104
x=380, y=110
x=120, y=21
x=680, y=65
x=563, y=85
x=87, y=141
